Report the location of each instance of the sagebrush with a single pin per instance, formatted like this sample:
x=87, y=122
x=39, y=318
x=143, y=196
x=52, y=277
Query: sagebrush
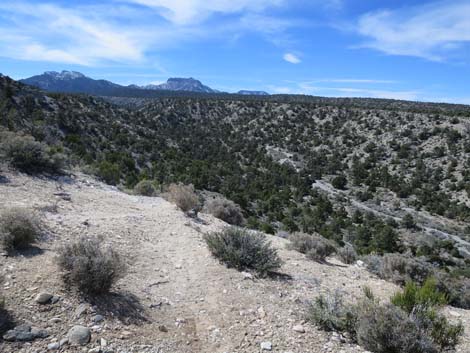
x=184, y=196
x=243, y=250
x=225, y=210
x=89, y=266
x=19, y=228
x=315, y=247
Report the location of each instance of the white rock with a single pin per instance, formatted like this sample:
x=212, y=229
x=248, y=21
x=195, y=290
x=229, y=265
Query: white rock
x=266, y=346
x=299, y=329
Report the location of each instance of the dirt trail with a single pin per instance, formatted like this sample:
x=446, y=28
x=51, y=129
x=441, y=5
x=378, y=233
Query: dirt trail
x=175, y=296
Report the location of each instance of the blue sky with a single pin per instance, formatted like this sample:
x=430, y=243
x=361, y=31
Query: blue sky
x=417, y=50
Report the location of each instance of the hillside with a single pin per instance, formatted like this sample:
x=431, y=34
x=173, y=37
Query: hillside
x=383, y=181
x=175, y=297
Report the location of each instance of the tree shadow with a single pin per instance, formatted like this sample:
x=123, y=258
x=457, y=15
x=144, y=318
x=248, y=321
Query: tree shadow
x=124, y=306
x=6, y=320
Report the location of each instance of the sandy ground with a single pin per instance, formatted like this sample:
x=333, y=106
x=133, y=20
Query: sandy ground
x=175, y=297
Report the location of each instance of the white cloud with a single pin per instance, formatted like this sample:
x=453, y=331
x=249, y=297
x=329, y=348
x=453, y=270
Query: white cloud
x=432, y=31
x=184, y=12
x=353, y=80
x=292, y=58
x=56, y=34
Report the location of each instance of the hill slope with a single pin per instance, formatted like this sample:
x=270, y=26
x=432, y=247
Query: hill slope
x=173, y=281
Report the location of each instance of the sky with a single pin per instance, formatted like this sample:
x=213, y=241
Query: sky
x=413, y=50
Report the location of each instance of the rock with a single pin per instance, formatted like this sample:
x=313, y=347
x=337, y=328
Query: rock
x=266, y=346
x=43, y=298
x=55, y=299
x=79, y=335
x=247, y=275
x=360, y=263
x=162, y=328
x=82, y=309
x=53, y=346
x=24, y=333
x=97, y=318
x=95, y=350
x=64, y=341
x=55, y=320
x=103, y=342
x=299, y=329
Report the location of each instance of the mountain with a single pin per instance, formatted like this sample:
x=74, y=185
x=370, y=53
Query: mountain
x=182, y=84
x=252, y=93
x=76, y=82
x=71, y=82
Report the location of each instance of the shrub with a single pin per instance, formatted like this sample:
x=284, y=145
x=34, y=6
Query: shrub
x=414, y=295
x=314, y=246
x=456, y=289
x=243, y=250
x=347, y=254
x=225, y=210
x=339, y=182
x=399, y=268
x=89, y=267
x=26, y=154
x=408, y=221
x=145, y=188
x=19, y=228
x=387, y=329
x=331, y=314
x=184, y=196
x=109, y=172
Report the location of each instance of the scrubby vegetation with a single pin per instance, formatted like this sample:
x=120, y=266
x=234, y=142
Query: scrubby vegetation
x=19, y=228
x=27, y=155
x=145, y=188
x=225, y=210
x=90, y=267
x=314, y=246
x=184, y=196
x=244, y=250
x=409, y=324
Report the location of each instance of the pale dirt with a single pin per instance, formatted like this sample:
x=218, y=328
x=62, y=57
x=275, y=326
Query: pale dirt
x=172, y=279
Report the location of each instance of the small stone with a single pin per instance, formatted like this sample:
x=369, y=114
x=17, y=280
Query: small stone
x=43, y=298
x=55, y=299
x=299, y=329
x=97, y=318
x=79, y=335
x=63, y=342
x=162, y=328
x=103, y=342
x=266, y=346
x=247, y=275
x=82, y=309
x=55, y=320
x=360, y=263
x=53, y=346
x=95, y=350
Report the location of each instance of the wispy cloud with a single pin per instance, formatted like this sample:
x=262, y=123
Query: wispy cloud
x=184, y=12
x=292, y=58
x=432, y=31
x=354, y=80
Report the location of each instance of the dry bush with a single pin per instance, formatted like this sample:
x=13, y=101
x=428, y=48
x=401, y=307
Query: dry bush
x=145, y=188
x=184, y=196
x=26, y=154
x=226, y=210
x=90, y=267
x=19, y=228
x=399, y=268
x=347, y=254
x=240, y=249
x=315, y=247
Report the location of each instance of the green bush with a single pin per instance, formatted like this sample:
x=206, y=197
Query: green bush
x=339, y=182
x=226, y=210
x=145, y=188
x=90, y=267
x=330, y=313
x=109, y=172
x=19, y=228
x=315, y=247
x=414, y=295
x=240, y=249
x=24, y=153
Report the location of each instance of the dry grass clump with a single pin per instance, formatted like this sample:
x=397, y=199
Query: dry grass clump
x=184, y=196
x=243, y=250
x=226, y=210
x=90, y=267
x=26, y=154
x=315, y=247
x=19, y=228
x=347, y=254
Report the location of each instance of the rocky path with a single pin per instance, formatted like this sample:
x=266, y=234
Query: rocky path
x=175, y=297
